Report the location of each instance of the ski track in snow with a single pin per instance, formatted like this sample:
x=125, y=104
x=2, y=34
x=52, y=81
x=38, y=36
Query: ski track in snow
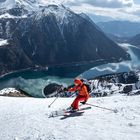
x=28, y=119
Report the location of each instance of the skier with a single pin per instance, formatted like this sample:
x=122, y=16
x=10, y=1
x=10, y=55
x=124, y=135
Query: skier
x=83, y=94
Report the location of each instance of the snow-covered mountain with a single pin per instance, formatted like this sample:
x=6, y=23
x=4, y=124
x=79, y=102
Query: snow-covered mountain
x=28, y=119
x=121, y=83
x=27, y=4
x=47, y=35
x=135, y=40
x=33, y=5
x=120, y=28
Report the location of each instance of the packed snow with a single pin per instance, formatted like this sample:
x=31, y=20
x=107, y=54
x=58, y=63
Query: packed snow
x=28, y=119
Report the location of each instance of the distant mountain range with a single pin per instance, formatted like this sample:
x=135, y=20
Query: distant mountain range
x=135, y=40
x=100, y=18
x=49, y=35
x=120, y=28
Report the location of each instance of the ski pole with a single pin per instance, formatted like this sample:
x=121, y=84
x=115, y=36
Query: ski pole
x=56, y=97
x=114, y=110
x=53, y=102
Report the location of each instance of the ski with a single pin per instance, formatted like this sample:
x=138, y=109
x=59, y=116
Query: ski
x=73, y=113
x=57, y=113
x=85, y=108
x=65, y=112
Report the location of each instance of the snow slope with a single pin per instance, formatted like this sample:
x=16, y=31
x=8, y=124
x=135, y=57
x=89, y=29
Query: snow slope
x=27, y=119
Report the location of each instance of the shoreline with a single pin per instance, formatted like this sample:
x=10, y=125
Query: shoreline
x=31, y=69
x=92, y=63
x=56, y=70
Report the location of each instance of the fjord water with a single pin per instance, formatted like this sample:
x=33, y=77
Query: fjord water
x=33, y=82
x=124, y=66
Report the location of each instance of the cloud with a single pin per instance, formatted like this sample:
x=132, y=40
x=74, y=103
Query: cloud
x=114, y=9
x=131, y=14
x=2, y=0
x=98, y=3
x=103, y=3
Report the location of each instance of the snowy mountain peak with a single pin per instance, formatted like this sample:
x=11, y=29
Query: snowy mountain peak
x=59, y=11
x=22, y=8
x=7, y=4
x=29, y=4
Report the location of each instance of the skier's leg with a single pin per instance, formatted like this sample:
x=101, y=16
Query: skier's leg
x=77, y=100
x=74, y=105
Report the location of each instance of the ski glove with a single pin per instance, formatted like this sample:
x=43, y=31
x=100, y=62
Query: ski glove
x=84, y=102
x=65, y=89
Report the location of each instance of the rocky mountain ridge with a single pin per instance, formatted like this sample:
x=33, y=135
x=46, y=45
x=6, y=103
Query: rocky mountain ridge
x=127, y=83
x=49, y=35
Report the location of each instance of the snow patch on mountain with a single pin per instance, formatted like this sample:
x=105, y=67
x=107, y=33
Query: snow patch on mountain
x=29, y=4
x=47, y=2
x=8, y=16
x=8, y=4
x=8, y=90
x=3, y=42
x=58, y=11
x=28, y=118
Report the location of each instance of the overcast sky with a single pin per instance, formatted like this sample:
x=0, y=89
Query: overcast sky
x=137, y=1
x=116, y=9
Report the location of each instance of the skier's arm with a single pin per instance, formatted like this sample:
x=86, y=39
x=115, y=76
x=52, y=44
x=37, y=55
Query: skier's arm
x=72, y=89
x=75, y=88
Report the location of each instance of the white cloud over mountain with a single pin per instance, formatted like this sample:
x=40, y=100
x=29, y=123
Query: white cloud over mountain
x=131, y=14
x=103, y=3
x=116, y=9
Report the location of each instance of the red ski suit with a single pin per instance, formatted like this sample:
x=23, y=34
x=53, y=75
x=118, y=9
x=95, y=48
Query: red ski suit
x=83, y=94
